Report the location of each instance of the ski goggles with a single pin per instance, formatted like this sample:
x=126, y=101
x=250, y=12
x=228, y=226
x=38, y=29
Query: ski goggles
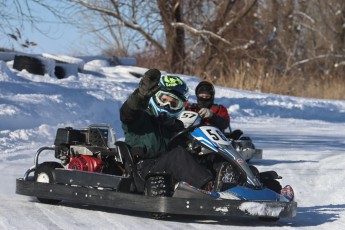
x=169, y=99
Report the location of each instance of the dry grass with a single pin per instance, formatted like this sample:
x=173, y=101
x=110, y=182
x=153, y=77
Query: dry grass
x=261, y=77
x=256, y=78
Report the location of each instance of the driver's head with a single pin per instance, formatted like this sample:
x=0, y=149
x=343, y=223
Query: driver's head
x=169, y=102
x=205, y=92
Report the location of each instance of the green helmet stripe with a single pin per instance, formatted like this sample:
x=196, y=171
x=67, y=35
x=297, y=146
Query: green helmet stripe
x=172, y=81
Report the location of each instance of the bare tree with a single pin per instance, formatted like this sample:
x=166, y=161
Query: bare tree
x=12, y=16
x=163, y=25
x=149, y=20
x=309, y=34
x=171, y=12
x=122, y=22
x=16, y=14
x=247, y=44
x=218, y=34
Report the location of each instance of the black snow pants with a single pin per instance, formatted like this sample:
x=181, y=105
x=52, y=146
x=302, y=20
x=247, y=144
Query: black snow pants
x=180, y=165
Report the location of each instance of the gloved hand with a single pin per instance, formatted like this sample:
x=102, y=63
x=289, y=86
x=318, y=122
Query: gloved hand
x=205, y=113
x=148, y=85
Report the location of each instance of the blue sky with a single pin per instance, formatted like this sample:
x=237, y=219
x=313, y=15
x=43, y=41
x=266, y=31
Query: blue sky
x=52, y=36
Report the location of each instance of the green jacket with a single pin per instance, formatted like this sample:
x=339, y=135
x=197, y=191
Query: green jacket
x=142, y=130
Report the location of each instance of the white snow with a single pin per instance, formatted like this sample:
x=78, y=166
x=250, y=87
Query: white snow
x=260, y=209
x=302, y=139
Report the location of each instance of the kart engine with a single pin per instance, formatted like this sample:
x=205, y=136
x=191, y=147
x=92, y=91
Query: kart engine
x=86, y=163
x=86, y=149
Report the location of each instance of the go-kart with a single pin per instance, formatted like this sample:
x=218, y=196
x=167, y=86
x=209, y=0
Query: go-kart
x=95, y=169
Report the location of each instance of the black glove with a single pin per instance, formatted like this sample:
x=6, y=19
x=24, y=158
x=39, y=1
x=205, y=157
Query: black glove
x=193, y=107
x=148, y=85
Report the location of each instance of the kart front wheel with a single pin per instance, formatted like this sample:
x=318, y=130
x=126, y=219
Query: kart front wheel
x=45, y=173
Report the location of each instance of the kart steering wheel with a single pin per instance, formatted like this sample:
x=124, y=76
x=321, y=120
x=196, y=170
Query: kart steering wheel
x=179, y=134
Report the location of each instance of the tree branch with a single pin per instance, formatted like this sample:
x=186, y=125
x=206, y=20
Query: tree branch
x=315, y=58
x=128, y=24
x=199, y=32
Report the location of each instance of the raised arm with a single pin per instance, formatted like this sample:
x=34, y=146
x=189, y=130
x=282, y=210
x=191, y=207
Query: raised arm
x=139, y=99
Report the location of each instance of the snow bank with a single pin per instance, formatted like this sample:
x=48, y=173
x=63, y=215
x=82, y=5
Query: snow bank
x=63, y=59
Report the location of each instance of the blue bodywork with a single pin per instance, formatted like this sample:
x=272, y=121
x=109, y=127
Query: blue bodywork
x=245, y=193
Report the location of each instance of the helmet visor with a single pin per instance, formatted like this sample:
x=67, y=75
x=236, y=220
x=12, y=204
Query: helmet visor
x=168, y=99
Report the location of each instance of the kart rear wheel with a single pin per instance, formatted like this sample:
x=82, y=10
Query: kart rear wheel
x=45, y=173
x=31, y=64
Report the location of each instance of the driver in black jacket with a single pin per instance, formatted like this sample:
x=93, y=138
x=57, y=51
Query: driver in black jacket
x=149, y=122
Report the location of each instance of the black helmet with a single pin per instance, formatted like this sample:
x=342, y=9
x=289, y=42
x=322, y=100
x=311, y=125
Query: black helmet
x=206, y=88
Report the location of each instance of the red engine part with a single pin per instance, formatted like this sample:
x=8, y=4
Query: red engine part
x=85, y=163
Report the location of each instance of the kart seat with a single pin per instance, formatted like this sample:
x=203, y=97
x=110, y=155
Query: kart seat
x=130, y=166
x=154, y=184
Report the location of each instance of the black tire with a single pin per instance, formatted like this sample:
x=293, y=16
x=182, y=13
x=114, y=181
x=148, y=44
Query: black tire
x=60, y=72
x=45, y=173
x=31, y=64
